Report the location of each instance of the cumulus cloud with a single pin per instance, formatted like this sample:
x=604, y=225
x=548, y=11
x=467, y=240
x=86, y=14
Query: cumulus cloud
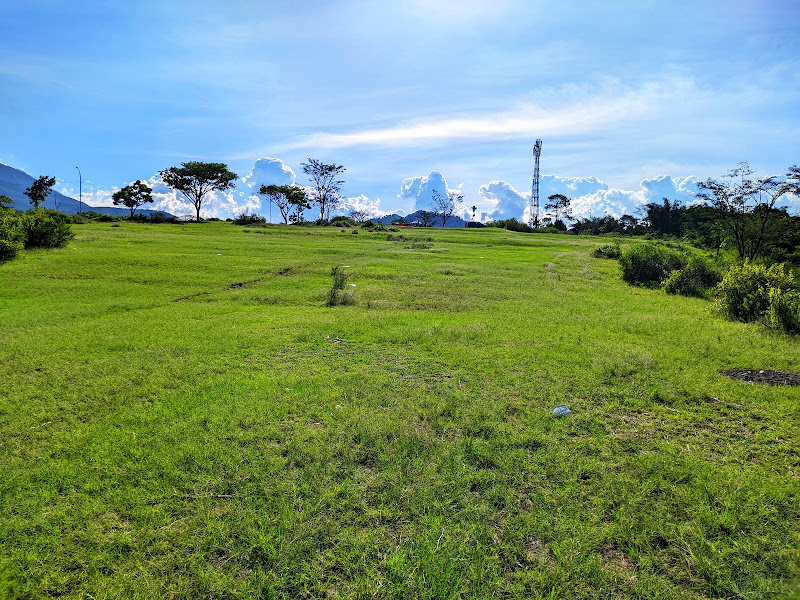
x=362, y=204
x=418, y=191
x=682, y=189
x=269, y=171
x=589, y=195
x=504, y=201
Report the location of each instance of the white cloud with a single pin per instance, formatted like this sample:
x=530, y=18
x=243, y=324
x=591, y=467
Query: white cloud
x=418, y=191
x=363, y=204
x=683, y=189
x=269, y=171
x=594, y=108
x=91, y=197
x=589, y=195
x=504, y=201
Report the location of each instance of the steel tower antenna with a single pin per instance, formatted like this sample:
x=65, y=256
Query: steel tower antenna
x=537, y=152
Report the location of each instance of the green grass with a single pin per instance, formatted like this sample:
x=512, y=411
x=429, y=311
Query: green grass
x=182, y=416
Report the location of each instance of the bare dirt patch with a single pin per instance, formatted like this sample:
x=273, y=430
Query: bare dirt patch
x=762, y=376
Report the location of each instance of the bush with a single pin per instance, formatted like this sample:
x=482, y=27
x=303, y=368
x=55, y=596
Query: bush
x=46, y=229
x=512, y=225
x=608, y=251
x=342, y=221
x=160, y=217
x=697, y=278
x=77, y=219
x=649, y=264
x=784, y=311
x=337, y=296
x=745, y=290
x=244, y=219
x=12, y=236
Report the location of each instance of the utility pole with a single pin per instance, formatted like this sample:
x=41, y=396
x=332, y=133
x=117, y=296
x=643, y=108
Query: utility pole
x=80, y=191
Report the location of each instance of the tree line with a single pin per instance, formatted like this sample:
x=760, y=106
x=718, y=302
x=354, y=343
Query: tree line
x=737, y=211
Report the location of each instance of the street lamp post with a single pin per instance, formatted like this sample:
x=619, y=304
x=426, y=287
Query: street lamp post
x=80, y=191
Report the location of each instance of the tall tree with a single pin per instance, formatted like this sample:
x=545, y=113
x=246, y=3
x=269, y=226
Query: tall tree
x=40, y=189
x=327, y=186
x=196, y=179
x=665, y=218
x=559, y=204
x=286, y=198
x=5, y=200
x=745, y=207
x=133, y=196
x=445, y=205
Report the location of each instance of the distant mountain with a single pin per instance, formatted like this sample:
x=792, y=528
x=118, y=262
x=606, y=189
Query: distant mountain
x=451, y=222
x=14, y=182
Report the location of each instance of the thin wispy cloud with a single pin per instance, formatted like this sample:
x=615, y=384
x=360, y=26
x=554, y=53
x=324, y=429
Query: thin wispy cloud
x=524, y=122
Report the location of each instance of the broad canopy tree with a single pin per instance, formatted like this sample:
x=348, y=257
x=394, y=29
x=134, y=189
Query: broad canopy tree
x=287, y=198
x=445, y=205
x=40, y=189
x=195, y=179
x=133, y=196
x=327, y=186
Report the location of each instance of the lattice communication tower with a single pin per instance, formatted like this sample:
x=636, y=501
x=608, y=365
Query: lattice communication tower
x=537, y=152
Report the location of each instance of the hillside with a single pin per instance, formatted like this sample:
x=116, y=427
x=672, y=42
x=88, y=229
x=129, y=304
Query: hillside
x=14, y=182
x=182, y=416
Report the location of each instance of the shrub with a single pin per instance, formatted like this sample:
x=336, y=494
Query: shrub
x=46, y=229
x=342, y=221
x=244, y=219
x=784, y=311
x=337, y=296
x=160, y=217
x=649, y=264
x=697, y=278
x=12, y=236
x=77, y=219
x=744, y=292
x=608, y=251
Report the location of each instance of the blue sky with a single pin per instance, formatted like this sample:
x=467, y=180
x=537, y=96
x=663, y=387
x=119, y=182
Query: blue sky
x=633, y=100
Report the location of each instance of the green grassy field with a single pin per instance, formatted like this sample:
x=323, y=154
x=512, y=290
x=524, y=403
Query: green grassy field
x=181, y=416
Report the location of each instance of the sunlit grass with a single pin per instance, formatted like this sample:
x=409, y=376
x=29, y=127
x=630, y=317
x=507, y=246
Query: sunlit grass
x=181, y=415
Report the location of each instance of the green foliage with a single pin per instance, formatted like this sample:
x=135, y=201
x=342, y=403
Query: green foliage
x=337, y=295
x=342, y=221
x=291, y=200
x=12, y=235
x=512, y=225
x=133, y=196
x=46, y=229
x=40, y=189
x=612, y=251
x=698, y=278
x=196, y=179
x=783, y=313
x=648, y=264
x=4, y=200
x=665, y=218
x=745, y=290
x=254, y=220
